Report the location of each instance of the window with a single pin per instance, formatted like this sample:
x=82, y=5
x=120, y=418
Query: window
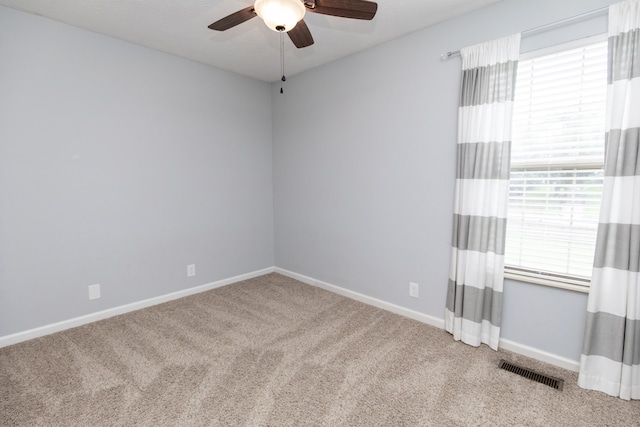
x=557, y=157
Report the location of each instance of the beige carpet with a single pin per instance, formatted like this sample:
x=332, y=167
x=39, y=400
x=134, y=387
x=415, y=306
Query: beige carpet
x=272, y=351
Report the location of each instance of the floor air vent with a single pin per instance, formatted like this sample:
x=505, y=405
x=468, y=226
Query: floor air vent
x=556, y=383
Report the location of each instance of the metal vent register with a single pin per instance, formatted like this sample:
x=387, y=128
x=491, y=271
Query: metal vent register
x=556, y=383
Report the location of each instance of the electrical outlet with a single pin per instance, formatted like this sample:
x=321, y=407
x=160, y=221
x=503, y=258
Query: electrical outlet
x=94, y=291
x=413, y=289
x=191, y=270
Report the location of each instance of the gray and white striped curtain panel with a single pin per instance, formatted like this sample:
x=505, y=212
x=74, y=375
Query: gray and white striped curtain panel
x=474, y=298
x=610, y=360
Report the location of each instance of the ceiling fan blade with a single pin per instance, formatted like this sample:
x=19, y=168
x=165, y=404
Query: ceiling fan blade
x=356, y=9
x=234, y=19
x=300, y=35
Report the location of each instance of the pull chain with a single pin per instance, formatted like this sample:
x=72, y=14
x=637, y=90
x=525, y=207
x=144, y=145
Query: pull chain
x=284, y=79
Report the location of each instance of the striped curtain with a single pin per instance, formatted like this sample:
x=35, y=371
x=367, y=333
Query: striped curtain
x=474, y=298
x=610, y=360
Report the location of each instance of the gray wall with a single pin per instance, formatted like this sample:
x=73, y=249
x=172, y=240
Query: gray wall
x=364, y=170
x=120, y=165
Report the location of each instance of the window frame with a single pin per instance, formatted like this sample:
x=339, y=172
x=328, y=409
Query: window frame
x=540, y=277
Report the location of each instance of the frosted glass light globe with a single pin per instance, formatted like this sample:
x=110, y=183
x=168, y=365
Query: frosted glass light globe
x=280, y=15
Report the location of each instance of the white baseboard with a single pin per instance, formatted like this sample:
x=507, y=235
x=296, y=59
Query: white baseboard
x=534, y=353
x=105, y=314
x=509, y=345
x=543, y=356
x=406, y=312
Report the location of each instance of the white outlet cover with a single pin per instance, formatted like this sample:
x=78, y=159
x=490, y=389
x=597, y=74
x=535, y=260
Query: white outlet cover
x=413, y=289
x=94, y=291
x=191, y=270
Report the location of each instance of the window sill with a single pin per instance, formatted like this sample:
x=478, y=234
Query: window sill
x=547, y=282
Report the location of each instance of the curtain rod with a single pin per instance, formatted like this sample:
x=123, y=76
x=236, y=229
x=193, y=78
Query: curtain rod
x=545, y=27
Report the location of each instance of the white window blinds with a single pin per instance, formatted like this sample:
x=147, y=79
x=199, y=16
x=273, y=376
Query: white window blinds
x=556, y=163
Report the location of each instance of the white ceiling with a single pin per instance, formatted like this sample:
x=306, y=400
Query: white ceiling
x=179, y=27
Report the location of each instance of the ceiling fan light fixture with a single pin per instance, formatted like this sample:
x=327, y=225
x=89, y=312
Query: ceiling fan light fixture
x=280, y=15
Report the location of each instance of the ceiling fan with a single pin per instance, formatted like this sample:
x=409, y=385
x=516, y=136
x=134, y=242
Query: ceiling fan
x=287, y=15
